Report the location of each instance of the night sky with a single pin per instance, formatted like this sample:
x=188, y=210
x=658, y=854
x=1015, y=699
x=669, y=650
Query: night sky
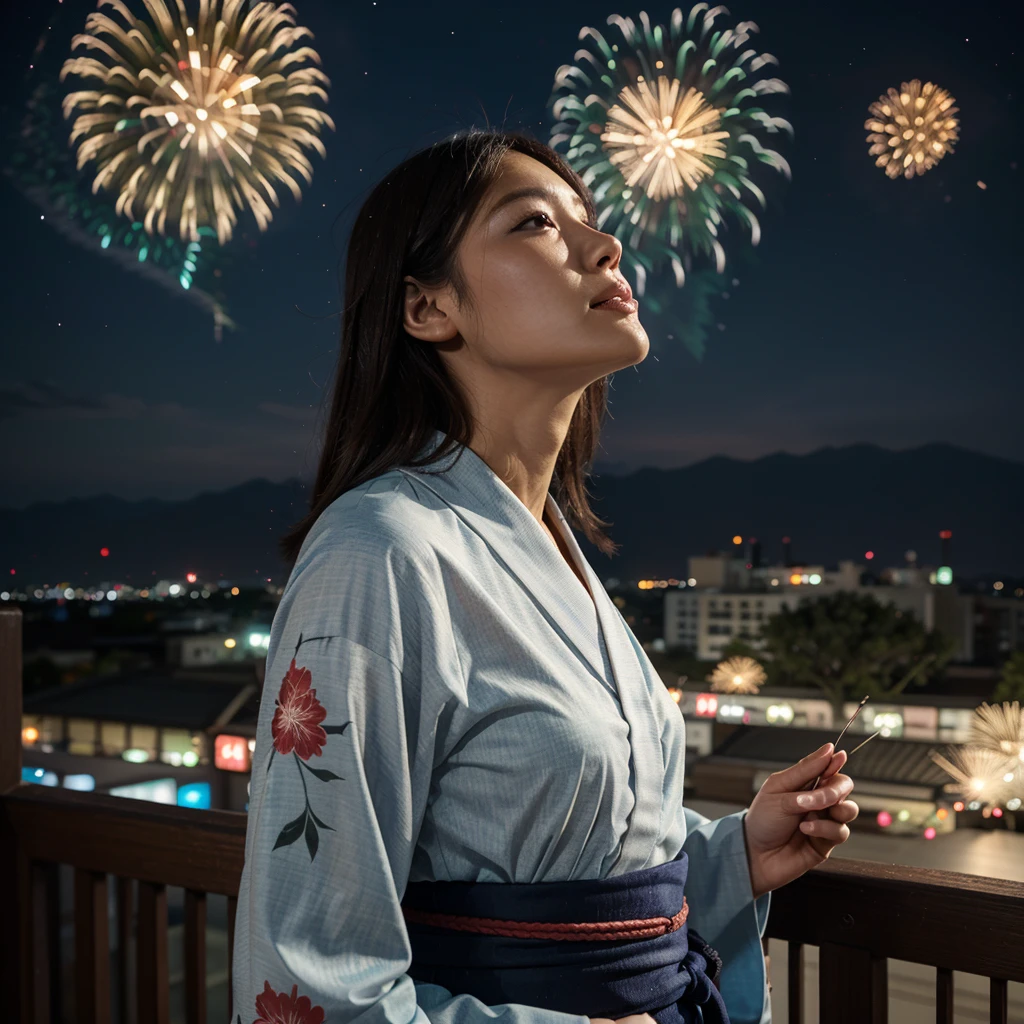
x=873, y=310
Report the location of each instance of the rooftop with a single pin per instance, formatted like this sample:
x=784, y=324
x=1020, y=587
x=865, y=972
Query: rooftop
x=882, y=760
x=184, y=699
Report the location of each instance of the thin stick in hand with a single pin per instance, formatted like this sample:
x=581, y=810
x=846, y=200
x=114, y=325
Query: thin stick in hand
x=861, y=744
x=843, y=733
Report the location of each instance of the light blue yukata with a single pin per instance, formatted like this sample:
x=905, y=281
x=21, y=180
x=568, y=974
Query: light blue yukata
x=445, y=701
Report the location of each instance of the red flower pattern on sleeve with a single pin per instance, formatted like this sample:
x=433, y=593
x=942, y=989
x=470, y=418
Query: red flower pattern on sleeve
x=281, y=1008
x=296, y=729
x=296, y=724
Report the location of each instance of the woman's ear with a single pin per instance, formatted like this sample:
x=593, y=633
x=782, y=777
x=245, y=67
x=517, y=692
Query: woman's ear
x=425, y=315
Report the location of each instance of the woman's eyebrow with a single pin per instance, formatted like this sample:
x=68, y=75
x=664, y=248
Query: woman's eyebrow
x=534, y=192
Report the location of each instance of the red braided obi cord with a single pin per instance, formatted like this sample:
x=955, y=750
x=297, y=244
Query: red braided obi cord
x=588, y=931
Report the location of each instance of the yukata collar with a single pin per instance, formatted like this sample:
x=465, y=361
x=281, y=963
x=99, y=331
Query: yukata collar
x=485, y=503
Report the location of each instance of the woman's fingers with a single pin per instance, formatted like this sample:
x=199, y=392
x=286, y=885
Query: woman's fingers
x=832, y=792
x=846, y=811
x=801, y=774
x=837, y=762
x=834, y=832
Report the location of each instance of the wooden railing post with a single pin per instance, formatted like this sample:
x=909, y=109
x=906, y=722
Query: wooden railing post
x=15, y=893
x=851, y=985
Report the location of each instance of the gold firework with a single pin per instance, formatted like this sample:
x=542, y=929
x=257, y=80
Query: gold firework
x=660, y=140
x=737, y=675
x=982, y=773
x=1000, y=728
x=913, y=129
x=190, y=123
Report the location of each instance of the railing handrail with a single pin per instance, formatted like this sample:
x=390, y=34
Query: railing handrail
x=857, y=903
x=166, y=845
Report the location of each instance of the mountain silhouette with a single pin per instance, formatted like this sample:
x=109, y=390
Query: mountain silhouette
x=834, y=503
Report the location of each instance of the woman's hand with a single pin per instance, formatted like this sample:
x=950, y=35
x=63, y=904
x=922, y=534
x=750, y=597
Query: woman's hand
x=789, y=831
x=636, y=1018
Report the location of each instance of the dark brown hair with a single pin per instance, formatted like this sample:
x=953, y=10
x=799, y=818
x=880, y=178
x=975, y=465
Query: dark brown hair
x=392, y=391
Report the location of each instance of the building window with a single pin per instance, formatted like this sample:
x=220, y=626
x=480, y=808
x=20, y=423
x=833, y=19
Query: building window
x=49, y=727
x=82, y=736
x=143, y=737
x=113, y=738
x=177, y=746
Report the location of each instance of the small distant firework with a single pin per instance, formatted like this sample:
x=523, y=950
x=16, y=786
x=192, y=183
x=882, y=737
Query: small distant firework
x=913, y=129
x=983, y=775
x=664, y=125
x=189, y=123
x=1000, y=728
x=737, y=675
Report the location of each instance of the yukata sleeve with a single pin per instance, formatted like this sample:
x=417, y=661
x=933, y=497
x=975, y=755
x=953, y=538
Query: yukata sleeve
x=340, y=781
x=726, y=915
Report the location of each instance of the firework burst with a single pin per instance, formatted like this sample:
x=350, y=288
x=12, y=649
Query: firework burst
x=737, y=675
x=1000, y=728
x=983, y=774
x=910, y=131
x=190, y=123
x=665, y=126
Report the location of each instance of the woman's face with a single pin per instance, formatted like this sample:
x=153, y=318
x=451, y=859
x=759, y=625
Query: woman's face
x=534, y=268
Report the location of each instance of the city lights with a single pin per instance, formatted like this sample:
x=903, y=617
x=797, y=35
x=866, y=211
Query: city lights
x=779, y=714
x=707, y=705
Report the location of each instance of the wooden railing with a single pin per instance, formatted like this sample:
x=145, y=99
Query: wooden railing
x=858, y=914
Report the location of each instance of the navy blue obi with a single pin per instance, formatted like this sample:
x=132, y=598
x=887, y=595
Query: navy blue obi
x=607, y=947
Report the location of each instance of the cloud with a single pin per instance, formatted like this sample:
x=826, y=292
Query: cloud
x=48, y=399
x=30, y=396
x=299, y=413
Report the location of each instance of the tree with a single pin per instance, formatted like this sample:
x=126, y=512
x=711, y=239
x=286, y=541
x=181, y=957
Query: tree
x=1011, y=686
x=679, y=661
x=849, y=644
x=39, y=673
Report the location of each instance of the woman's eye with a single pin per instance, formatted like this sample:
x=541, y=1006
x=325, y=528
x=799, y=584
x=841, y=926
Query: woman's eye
x=535, y=217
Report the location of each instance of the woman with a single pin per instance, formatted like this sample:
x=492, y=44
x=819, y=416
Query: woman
x=471, y=768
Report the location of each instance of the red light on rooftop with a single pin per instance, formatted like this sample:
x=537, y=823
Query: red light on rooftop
x=190, y=576
x=869, y=555
x=104, y=552
x=945, y=534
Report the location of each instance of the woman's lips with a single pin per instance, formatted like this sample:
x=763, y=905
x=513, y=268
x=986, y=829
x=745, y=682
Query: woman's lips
x=618, y=305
